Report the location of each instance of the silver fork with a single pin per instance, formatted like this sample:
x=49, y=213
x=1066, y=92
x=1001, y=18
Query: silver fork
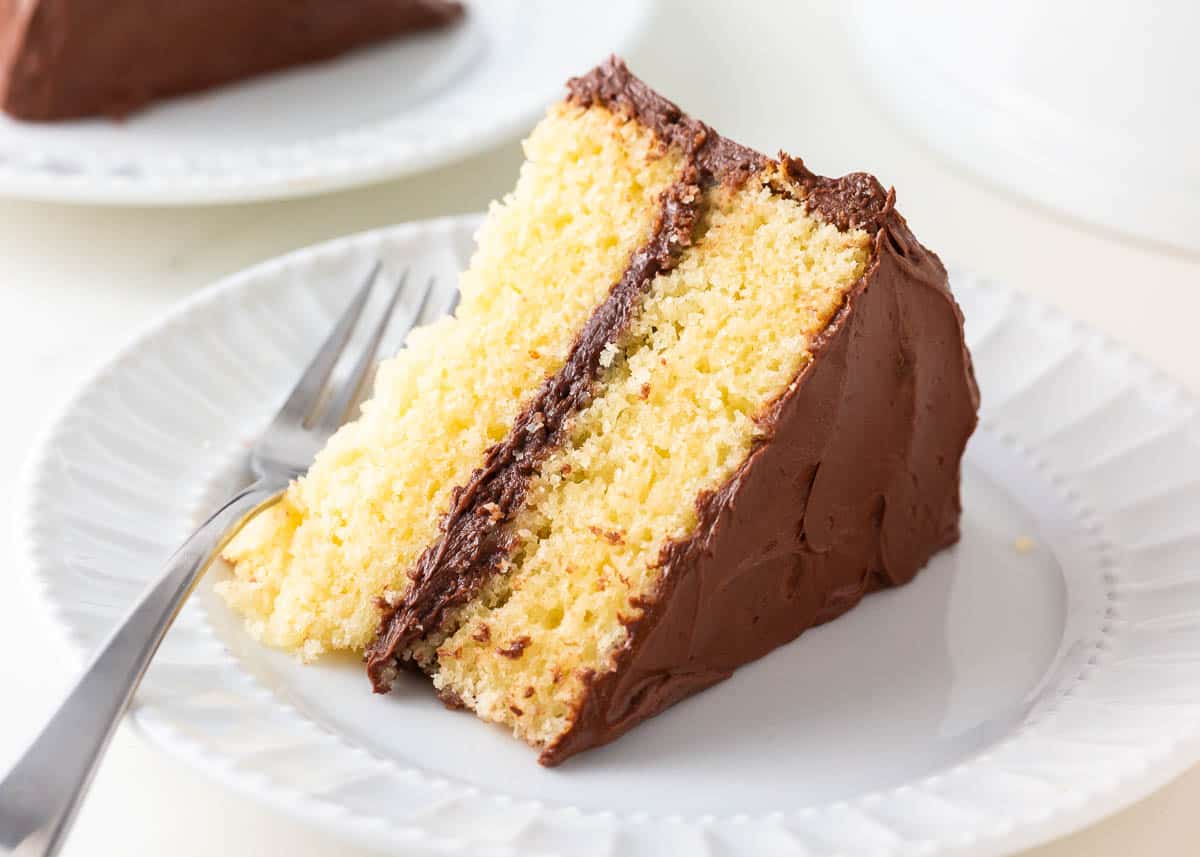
x=40, y=795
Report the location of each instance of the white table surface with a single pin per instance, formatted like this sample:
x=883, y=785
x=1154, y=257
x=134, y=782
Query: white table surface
x=75, y=282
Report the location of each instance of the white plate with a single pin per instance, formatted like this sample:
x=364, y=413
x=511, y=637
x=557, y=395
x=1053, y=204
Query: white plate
x=1034, y=678
x=412, y=104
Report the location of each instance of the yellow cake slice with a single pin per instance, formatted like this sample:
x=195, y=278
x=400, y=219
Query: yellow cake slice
x=694, y=401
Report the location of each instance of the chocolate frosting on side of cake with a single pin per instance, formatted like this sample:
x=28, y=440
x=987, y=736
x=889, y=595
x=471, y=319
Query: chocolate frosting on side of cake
x=67, y=58
x=854, y=487
x=803, y=529
x=13, y=20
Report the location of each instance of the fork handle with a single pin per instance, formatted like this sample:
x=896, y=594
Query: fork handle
x=40, y=795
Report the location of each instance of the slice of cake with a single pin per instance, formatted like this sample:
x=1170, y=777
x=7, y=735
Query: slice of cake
x=694, y=401
x=61, y=59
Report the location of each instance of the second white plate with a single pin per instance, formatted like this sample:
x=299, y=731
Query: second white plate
x=1040, y=674
x=412, y=104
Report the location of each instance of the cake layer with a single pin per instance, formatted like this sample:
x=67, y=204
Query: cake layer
x=308, y=572
x=66, y=58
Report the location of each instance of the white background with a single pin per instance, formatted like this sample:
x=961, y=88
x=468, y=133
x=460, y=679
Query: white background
x=75, y=282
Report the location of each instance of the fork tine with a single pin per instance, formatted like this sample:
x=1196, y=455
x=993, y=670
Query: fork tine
x=344, y=396
x=307, y=393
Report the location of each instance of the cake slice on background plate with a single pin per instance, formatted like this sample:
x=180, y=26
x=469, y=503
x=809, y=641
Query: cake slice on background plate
x=61, y=59
x=694, y=401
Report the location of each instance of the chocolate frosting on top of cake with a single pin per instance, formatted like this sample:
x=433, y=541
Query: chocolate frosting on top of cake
x=854, y=201
x=853, y=485
x=613, y=85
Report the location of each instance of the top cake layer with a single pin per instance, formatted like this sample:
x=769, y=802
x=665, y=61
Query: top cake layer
x=61, y=59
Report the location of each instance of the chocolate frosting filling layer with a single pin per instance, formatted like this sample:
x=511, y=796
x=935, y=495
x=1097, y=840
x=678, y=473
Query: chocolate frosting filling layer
x=66, y=58
x=852, y=487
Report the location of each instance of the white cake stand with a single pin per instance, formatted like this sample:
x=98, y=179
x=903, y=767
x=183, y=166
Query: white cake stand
x=1092, y=109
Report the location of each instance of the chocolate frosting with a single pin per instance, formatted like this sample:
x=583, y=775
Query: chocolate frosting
x=67, y=58
x=852, y=486
x=614, y=86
